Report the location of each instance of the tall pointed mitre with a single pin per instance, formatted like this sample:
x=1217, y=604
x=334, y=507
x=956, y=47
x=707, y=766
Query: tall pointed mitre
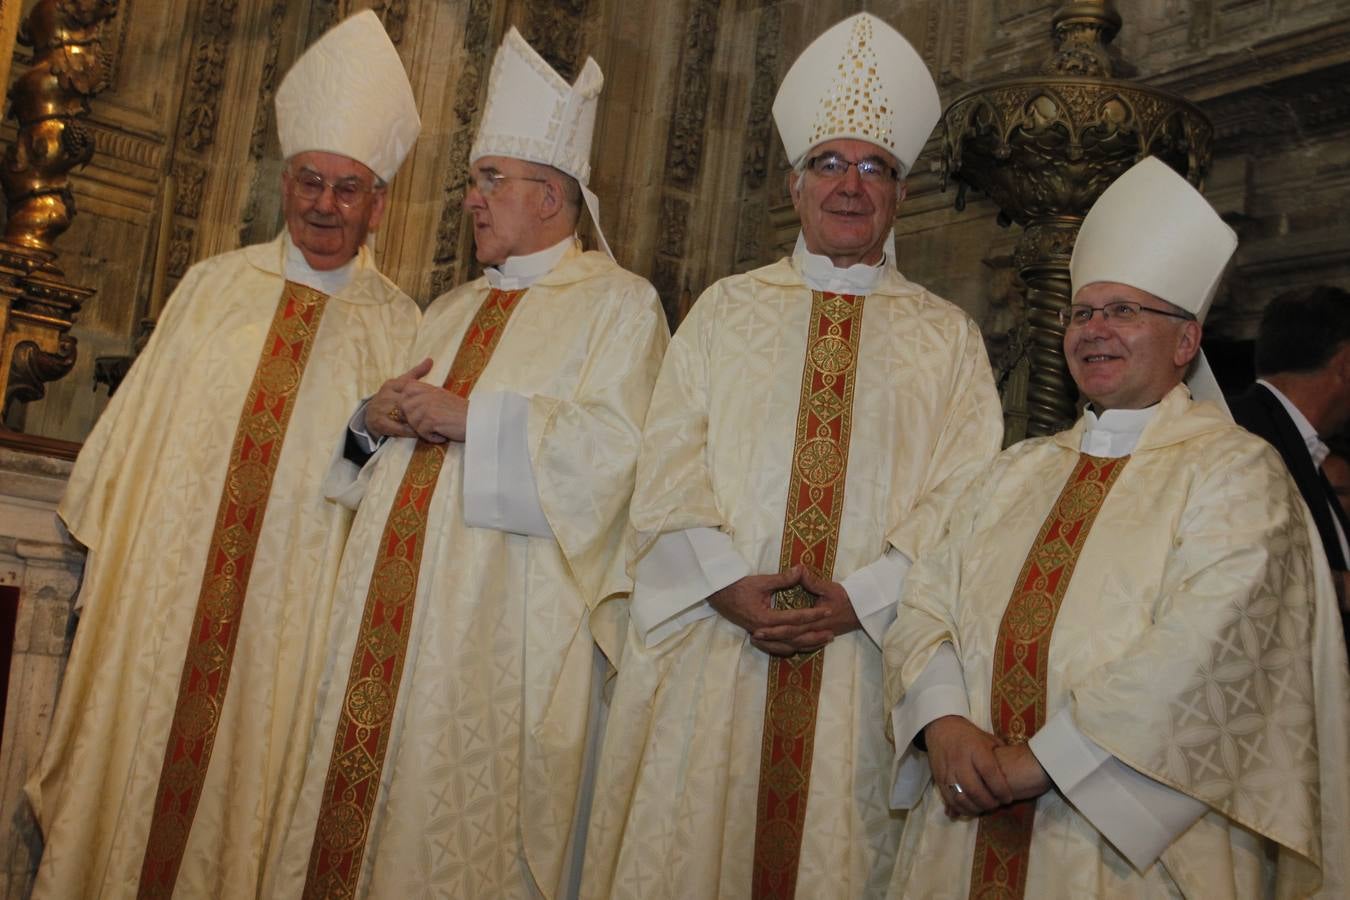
x=349, y=94
x=1153, y=231
x=860, y=79
x=533, y=114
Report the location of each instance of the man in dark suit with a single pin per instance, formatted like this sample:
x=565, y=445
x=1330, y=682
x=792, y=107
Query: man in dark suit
x=1302, y=395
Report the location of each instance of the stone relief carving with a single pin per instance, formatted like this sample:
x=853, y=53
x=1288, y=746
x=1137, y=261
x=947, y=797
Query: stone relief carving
x=206, y=74
x=393, y=13
x=180, y=250
x=684, y=152
x=190, y=181
x=684, y=156
x=477, y=61
x=553, y=28
x=759, y=135
x=323, y=15
x=267, y=87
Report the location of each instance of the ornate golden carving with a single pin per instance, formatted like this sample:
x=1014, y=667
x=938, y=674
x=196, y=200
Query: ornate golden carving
x=48, y=101
x=1043, y=148
x=37, y=307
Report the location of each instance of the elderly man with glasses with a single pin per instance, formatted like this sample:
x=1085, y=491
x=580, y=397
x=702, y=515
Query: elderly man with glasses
x=480, y=597
x=812, y=422
x=1121, y=673
x=212, y=551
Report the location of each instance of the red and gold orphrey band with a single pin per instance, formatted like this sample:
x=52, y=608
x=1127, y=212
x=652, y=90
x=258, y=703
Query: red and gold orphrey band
x=367, y=715
x=810, y=538
x=1021, y=662
x=257, y=447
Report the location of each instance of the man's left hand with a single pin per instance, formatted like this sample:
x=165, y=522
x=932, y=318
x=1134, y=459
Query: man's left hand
x=783, y=640
x=434, y=413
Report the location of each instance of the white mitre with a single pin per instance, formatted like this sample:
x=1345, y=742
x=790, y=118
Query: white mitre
x=1153, y=231
x=349, y=94
x=533, y=114
x=860, y=79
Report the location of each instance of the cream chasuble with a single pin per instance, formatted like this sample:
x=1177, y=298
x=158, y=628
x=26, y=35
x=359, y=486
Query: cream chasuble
x=209, y=542
x=486, y=726
x=1197, y=643
x=675, y=806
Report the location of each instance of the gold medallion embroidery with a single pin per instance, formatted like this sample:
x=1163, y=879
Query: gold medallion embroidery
x=810, y=537
x=1022, y=661
x=366, y=720
x=254, y=455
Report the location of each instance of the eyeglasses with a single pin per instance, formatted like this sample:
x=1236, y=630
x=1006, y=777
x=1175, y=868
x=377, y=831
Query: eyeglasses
x=871, y=169
x=487, y=182
x=347, y=192
x=1122, y=312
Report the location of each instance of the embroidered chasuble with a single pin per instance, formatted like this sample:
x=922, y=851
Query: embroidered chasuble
x=208, y=585
x=449, y=734
x=381, y=645
x=1177, y=607
x=820, y=429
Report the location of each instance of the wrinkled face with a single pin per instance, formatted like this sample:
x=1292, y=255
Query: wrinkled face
x=506, y=217
x=1131, y=365
x=327, y=232
x=846, y=218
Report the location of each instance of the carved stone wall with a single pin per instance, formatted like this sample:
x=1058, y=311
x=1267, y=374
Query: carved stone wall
x=688, y=166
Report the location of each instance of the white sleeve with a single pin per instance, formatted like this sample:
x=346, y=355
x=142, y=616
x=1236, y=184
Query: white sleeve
x=940, y=690
x=1141, y=817
x=874, y=590
x=357, y=426
x=345, y=482
x=673, y=580
x=500, y=491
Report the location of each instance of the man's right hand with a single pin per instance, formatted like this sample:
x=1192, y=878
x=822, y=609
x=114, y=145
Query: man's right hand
x=749, y=604
x=965, y=769
x=384, y=411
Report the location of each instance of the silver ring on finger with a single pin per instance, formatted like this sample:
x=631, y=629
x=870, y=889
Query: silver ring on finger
x=956, y=788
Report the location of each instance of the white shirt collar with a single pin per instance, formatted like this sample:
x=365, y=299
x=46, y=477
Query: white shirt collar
x=1114, y=433
x=1316, y=448
x=822, y=275
x=519, y=272
x=330, y=281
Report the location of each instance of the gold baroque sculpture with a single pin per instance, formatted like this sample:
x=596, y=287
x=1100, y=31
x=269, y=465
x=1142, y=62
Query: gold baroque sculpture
x=37, y=307
x=1043, y=147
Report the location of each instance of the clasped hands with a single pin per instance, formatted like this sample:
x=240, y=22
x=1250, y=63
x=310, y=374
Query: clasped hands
x=976, y=772
x=408, y=407
x=785, y=632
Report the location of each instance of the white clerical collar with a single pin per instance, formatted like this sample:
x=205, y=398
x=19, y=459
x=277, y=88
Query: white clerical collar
x=329, y=281
x=1316, y=448
x=822, y=275
x=520, y=272
x=1115, y=432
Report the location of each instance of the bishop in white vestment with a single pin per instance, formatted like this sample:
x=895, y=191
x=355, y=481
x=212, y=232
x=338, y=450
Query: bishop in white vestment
x=1124, y=660
x=183, y=712
x=483, y=568
x=812, y=423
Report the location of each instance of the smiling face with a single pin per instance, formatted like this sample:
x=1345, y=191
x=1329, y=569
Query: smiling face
x=1132, y=365
x=326, y=232
x=847, y=218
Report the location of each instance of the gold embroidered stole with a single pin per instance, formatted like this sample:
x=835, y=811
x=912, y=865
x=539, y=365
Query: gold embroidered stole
x=367, y=716
x=258, y=440
x=1021, y=664
x=810, y=538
